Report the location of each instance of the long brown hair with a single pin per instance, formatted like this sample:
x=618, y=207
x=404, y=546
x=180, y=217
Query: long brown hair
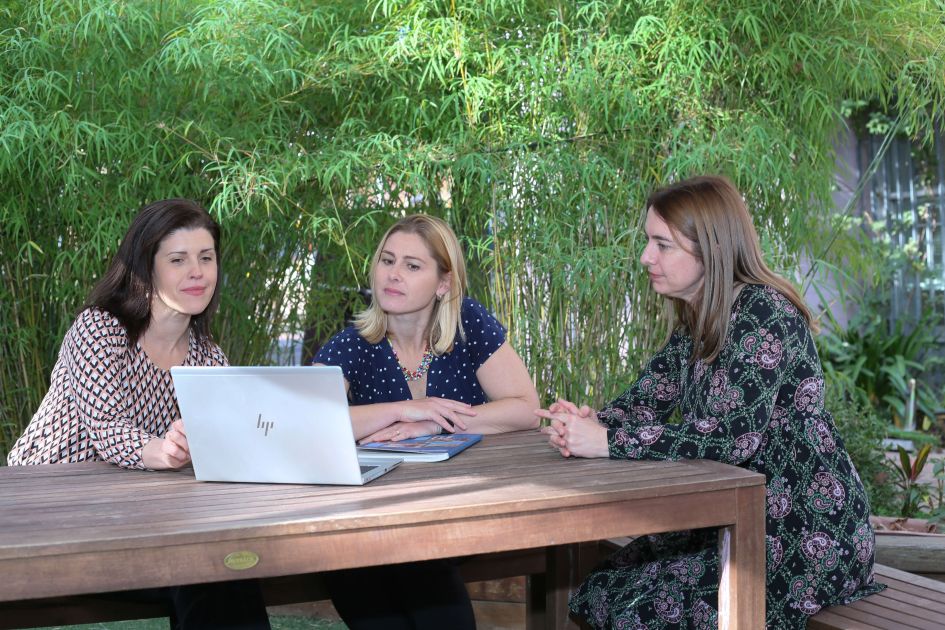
x=710, y=212
x=125, y=289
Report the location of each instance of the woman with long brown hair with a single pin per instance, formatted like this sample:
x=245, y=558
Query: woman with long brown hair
x=741, y=369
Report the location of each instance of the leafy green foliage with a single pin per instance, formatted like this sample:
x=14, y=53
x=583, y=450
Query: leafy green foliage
x=936, y=501
x=908, y=471
x=919, y=438
x=879, y=358
x=536, y=128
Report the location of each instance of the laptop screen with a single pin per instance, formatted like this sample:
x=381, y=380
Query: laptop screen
x=268, y=424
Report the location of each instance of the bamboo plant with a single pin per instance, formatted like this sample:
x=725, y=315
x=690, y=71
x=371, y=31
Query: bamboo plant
x=535, y=127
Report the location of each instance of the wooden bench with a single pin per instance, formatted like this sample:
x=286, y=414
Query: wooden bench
x=910, y=601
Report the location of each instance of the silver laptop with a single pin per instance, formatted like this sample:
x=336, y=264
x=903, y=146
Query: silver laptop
x=271, y=425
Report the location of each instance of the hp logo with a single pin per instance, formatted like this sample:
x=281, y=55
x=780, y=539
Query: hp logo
x=265, y=425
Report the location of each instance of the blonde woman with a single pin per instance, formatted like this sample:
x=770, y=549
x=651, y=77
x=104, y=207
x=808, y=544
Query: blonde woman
x=422, y=359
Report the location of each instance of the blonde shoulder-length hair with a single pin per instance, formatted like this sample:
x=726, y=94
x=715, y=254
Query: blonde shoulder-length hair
x=445, y=323
x=710, y=212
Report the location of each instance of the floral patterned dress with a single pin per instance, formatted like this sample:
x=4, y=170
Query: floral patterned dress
x=759, y=405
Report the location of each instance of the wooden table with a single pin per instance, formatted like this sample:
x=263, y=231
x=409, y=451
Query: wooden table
x=69, y=529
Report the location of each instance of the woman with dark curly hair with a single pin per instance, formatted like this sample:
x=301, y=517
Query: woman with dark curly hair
x=111, y=397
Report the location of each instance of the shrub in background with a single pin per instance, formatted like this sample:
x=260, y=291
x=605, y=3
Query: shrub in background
x=536, y=128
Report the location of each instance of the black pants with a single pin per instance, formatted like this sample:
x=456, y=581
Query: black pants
x=415, y=596
x=235, y=605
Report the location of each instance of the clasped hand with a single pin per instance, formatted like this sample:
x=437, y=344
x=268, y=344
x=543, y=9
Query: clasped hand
x=574, y=430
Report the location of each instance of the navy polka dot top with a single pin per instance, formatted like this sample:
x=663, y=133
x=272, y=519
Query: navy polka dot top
x=374, y=375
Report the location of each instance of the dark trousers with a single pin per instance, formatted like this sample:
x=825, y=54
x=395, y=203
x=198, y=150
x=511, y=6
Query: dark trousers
x=415, y=596
x=235, y=605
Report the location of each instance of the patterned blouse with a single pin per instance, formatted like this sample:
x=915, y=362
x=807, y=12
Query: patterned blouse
x=105, y=400
x=374, y=375
x=759, y=405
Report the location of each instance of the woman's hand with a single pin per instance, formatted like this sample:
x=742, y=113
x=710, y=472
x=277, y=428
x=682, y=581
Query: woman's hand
x=574, y=430
x=443, y=411
x=403, y=431
x=569, y=407
x=171, y=451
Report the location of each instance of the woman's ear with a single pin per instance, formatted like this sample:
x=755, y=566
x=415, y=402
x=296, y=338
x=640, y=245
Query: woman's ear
x=443, y=289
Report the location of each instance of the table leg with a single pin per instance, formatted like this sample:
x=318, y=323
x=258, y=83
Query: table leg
x=535, y=613
x=547, y=594
x=742, y=564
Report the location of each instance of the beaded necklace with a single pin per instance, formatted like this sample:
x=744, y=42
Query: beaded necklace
x=421, y=370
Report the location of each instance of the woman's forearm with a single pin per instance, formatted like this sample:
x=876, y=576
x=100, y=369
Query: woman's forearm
x=368, y=419
x=507, y=414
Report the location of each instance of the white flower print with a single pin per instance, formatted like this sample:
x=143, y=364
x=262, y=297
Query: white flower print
x=649, y=435
x=764, y=348
x=706, y=425
x=802, y=592
x=669, y=603
x=704, y=617
x=779, y=498
x=659, y=387
x=809, y=395
x=783, y=304
x=723, y=398
x=826, y=493
x=821, y=550
x=745, y=446
x=863, y=542
x=775, y=552
x=819, y=435
x=628, y=441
